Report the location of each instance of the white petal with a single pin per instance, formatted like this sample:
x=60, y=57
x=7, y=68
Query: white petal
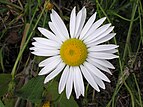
x=97, y=33
x=80, y=80
x=106, y=32
x=99, y=22
x=79, y=85
x=103, y=62
x=87, y=25
x=94, y=27
x=72, y=22
x=69, y=84
x=48, y=34
x=59, y=24
x=103, y=34
x=104, y=39
x=102, y=47
x=91, y=60
x=80, y=20
x=76, y=85
x=55, y=72
x=43, y=52
x=42, y=46
x=99, y=82
x=100, y=55
x=56, y=31
x=96, y=71
x=89, y=78
x=49, y=67
x=111, y=51
x=63, y=79
x=46, y=42
x=49, y=60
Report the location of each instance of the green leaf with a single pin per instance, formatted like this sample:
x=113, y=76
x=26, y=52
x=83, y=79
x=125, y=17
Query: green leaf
x=60, y=100
x=68, y=102
x=1, y=104
x=33, y=90
x=9, y=102
x=52, y=89
x=4, y=81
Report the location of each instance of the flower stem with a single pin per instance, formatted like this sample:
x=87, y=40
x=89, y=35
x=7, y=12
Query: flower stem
x=24, y=46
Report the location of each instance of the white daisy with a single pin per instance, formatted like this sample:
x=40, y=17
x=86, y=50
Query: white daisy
x=77, y=53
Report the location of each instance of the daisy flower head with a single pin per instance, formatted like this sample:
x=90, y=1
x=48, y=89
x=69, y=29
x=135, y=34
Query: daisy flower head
x=76, y=53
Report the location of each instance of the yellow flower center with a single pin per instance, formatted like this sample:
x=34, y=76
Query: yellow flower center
x=48, y=5
x=73, y=52
x=46, y=104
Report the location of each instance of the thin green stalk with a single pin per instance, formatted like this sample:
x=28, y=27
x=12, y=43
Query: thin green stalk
x=85, y=100
x=141, y=32
x=86, y=90
x=24, y=46
x=120, y=83
x=20, y=4
x=118, y=86
x=1, y=58
x=129, y=31
x=122, y=78
x=140, y=11
x=140, y=5
x=114, y=1
x=127, y=50
x=93, y=95
x=139, y=92
x=132, y=97
x=45, y=18
x=123, y=17
x=27, y=32
x=19, y=56
x=9, y=3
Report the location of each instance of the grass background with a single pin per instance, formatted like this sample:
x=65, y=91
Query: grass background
x=21, y=87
